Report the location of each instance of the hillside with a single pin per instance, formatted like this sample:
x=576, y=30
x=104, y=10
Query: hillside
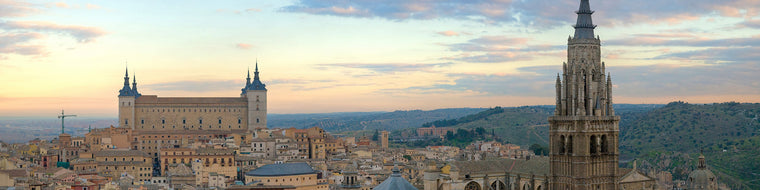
x=671, y=137
x=524, y=125
x=355, y=121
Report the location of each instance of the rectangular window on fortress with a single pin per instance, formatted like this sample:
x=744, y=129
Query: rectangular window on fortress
x=163, y=121
x=220, y=121
x=142, y=121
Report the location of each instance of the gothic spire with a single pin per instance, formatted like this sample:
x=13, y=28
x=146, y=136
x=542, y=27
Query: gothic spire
x=126, y=77
x=256, y=71
x=584, y=27
x=134, y=82
x=256, y=84
x=248, y=79
x=126, y=90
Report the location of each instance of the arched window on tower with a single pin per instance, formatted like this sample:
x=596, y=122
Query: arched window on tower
x=569, y=144
x=592, y=145
x=562, y=144
x=604, y=143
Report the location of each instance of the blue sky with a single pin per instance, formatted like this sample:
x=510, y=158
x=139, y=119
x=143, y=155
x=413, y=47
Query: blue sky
x=366, y=55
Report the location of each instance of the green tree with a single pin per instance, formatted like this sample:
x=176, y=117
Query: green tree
x=539, y=150
x=376, y=135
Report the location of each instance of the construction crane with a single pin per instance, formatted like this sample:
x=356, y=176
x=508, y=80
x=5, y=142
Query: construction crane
x=63, y=116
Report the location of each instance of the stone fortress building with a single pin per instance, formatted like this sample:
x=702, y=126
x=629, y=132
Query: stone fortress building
x=150, y=113
x=153, y=123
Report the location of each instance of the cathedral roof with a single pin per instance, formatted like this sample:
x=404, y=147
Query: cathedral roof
x=285, y=169
x=395, y=182
x=701, y=176
x=537, y=166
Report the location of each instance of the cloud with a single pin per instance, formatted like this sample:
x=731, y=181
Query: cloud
x=195, y=86
x=389, y=68
x=717, y=55
x=243, y=46
x=668, y=80
x=82, y=34
x=749, y=24
x=540, y=13
x=497, y=49
x=92, y=6
x=15, y=43
x=678, y=40
x=630, y=81
x=252, y=10
x=534, y=81
x=449, y=33
x=61, y=5
x=403, y=9
x=10, y=8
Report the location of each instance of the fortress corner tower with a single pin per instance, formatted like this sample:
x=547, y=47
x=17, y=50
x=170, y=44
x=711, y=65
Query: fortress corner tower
x=256, y=94
x=584, y=129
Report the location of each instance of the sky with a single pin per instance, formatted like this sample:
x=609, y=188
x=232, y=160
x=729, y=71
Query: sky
x=319, y=56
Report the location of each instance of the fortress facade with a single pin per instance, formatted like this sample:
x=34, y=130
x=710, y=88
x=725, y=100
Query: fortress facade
x=154, y=122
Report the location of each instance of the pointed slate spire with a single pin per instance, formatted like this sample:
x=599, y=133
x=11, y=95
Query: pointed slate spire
x=126, y=90
x=134, y=82
x=256, y=84
x=134, y=86
x=248, y=79
x=256, y=71
x=126, y=77
x=584, y=27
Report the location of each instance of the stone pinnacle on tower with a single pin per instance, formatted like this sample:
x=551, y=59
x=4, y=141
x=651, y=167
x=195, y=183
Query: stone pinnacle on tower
x=256, y=71
x=584, y=27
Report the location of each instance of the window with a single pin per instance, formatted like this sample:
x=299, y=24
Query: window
x=163, y=121
x=592, y=147
x=142, y=121
x=220, y=121
x=257, y=120
x=240, y=120
x=200, y=121
x=183, y=121
x=126, y=122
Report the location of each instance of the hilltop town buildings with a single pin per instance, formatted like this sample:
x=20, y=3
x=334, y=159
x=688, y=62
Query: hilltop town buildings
x=223, y=142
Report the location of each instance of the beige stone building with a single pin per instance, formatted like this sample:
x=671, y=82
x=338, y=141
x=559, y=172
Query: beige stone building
x=114, y=163
x=155, y=122
x=300, y=175
x=384, y=139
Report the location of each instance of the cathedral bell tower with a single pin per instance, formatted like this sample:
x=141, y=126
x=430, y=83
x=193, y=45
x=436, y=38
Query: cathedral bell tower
x=584, y=129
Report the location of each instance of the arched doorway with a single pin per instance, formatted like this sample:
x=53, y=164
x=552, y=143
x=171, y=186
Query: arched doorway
x=498, y=185
x=472, y=186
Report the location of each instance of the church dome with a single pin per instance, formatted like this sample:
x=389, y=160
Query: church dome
x=702, y=178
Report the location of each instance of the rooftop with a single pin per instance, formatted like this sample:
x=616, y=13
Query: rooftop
x=282, y=170
x=125, y=153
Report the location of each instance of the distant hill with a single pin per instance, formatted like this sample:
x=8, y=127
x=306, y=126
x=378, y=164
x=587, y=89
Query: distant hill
x=670, y=138
x=527, y=125
x=354, y=121
x=663, y=137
